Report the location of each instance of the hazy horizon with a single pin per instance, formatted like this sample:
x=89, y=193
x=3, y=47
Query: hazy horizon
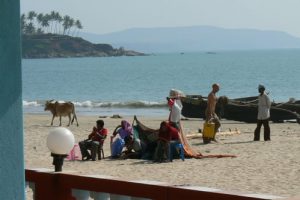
x=194, y=39
x=101, y=17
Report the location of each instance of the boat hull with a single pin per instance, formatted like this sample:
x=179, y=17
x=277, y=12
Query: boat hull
x=234, y=110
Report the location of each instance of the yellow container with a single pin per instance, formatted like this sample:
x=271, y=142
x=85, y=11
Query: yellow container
x=208, y=130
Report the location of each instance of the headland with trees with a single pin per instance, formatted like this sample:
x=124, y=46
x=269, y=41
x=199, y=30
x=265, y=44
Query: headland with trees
x=52, y=35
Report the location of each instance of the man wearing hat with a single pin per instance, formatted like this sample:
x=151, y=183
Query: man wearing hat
x=175, y=106
x=264, y=105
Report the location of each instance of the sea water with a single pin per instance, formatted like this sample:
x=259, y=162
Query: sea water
x=139, y=85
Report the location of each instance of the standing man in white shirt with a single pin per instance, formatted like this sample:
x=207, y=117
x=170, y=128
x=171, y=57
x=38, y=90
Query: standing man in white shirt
x=175, y=111
x=175, y=106
x=264, y=105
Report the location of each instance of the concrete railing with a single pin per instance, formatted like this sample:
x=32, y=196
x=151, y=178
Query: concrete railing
x=48, y=185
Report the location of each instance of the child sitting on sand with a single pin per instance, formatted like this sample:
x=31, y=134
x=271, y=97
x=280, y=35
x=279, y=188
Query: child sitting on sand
x=134, y=148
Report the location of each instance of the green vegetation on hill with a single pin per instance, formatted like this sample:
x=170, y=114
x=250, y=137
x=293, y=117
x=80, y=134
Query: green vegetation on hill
x=56, y=46
x=52, y=36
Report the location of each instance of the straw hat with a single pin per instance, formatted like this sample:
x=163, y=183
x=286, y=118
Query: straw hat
x=174, y=93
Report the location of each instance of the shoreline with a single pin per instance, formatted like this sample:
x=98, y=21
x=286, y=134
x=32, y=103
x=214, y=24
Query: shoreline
x=93, y=111
x=260, y=167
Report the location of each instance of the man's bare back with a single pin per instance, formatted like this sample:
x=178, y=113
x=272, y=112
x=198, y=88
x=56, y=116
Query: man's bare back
x=211, y=102
x=210, y=111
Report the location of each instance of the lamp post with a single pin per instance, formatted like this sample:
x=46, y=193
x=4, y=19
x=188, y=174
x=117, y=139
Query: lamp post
x=60, y=141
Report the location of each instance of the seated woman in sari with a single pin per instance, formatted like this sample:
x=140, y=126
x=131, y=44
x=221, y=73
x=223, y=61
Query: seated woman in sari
x=166, y=134
x=117, y=139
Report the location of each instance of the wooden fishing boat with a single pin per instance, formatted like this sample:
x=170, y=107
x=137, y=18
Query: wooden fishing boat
x=248, y=113
x=291, y=106
x=240, y=109
x=194, y=105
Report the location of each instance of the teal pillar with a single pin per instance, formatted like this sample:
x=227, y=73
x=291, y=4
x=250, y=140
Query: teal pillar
x=11, y=116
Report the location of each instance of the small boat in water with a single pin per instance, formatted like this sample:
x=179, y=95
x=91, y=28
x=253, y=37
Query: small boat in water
x=239, y=109
x=211, y=52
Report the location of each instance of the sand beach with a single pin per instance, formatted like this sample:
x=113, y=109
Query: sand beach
x=259, y=167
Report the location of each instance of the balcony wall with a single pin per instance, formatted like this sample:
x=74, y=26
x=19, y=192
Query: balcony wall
x=63, y=186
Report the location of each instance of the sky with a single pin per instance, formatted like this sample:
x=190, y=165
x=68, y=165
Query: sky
x=106, y=16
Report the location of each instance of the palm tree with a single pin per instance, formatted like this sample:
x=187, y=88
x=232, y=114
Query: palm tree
x=52, y=20
x=39, y=19
x=45, y=22
x=30, y=17
x=58, y=19
x=65, y=24
x=29, y=29
x=78, y=26
x=70, y=25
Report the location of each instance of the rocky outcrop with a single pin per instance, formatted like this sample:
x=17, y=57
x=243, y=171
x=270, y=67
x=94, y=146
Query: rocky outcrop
x=58, y=46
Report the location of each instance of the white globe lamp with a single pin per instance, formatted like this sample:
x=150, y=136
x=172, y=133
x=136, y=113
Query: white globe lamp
x=60, y=141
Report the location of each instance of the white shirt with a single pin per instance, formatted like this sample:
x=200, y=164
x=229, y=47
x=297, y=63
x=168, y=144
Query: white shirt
x=264, y=105
x=176, y=111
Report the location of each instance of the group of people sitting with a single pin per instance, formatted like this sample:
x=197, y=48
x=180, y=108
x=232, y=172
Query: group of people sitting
x=162, y=149
x=125, y=144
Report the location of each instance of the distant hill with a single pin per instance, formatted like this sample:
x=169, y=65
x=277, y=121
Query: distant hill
x=195, y=38
x=54, y=46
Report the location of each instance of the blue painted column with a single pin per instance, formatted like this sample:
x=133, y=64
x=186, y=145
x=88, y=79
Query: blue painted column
x=11, y=119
